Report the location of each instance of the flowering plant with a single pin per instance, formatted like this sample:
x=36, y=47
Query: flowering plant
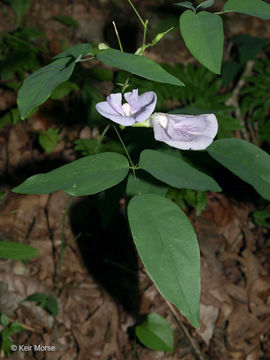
x=163, y=234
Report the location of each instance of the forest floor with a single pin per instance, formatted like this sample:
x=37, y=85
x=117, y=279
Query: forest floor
x=104, y=289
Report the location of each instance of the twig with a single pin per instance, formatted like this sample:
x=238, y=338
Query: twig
x=118, y=37
x=234, y=99
x=185, y=330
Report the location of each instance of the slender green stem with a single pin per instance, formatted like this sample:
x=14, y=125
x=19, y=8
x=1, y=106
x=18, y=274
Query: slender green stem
x=124, y=147
x=144, y=32
x=87, y=59
x=136, y=12
x=118, y=37
x=101, y=137
x=63, y=241
x=132, y=166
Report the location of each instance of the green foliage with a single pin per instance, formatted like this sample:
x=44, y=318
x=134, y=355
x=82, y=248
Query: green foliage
x=256, y=8
x=205, y=4
x=168, y=247
x=18, y=53
x=16, y=251
x=203, y=35
x=262, y=217
x=144, y=184
x=138, y=65
x=155, y=333
x=186, y=197
x=186, y=4
x=37, y=88
x=76, y=52
x=11, y=117
x=67, y=20
x=4, y=320
x=86, y=176
x=63, y=90
x=255, y=101
x=9, y=329
x=48, y=139
x=94, y=146
x=49, y=303
x=20, y=7
x=175, y=171
x=247, y=161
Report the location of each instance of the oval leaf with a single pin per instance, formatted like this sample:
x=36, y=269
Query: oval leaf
x=168, y=247
x=76, y=51
x=206, y=4
x=144, y=184
x=138, y=65
x=16, y=251
x=155, y=333
x=176, y=172
x=256, y=8
x=85, y=176
x=37, y=88
x=245, y=160
x=186, y=4
x=203, y=35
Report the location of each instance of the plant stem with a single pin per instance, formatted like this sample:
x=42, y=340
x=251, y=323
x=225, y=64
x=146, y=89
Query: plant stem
x=136, y=12
x=132, y=166
x=63, y=240
x=144, y=32
x=102, y=136
x=124, y=146
x=118, y=37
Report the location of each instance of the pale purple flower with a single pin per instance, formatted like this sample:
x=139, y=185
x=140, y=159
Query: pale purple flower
x=185, y=131
x=137, y=108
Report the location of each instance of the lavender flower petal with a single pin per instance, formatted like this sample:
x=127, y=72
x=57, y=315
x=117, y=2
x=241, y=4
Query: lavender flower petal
x=185, y=131
x=147, y=102
x=137, y=109
x=115, y=100
x=105, y=109
x=132, y=98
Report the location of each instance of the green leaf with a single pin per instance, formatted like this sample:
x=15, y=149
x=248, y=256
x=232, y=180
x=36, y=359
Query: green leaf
x=206, y=4
x=43, y=300
x=48, y=139
x=6, y=342
x=138, y=65
x=175, y=171
x=245, y=160
x=20, y=7
x=16, y=327
x=63, y=90
x=36, y=89
x=16, y=251
x=261, y=217
x=256, y=8
x=37, y=297
x=4, y=320
x=186, y=4
x=67, y=20
x=76, y=51
x=85, y=176
x=144, y=184
x=52, y=305
x=168, y=247
x=155, y=333
x=203, y=35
